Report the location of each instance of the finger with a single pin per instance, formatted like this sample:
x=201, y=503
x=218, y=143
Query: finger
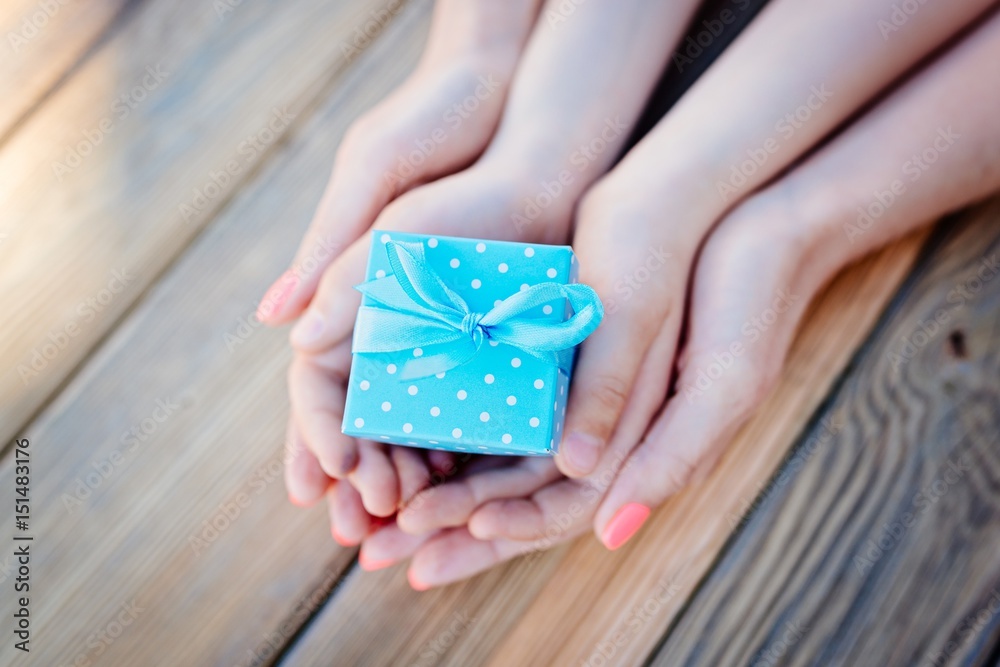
x=455, y=555
x=375, y=479
x=317, y=397
x=387, y=546
x=349, y=522
x=413, y=472
x=304, y=477
x=452, y=503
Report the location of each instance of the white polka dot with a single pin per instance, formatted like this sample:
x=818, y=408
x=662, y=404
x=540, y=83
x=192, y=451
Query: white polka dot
x=524, y=287
x=495, y=304
x=385, y=238
x=417, y=352
x=561, y=390
x=558, y=427
x=551, y=273
x=454, y=263
x=432, y=243
x=511, y=400
x=380, y=274
x=502, y=268
x=489, y=378
x=493, y=343
x=506, y=438
x=547, y=310
x=515, y=362
x=534, y=422
x=407, y=428
x=480, y=247
x=555, y=406
x=390, y=369
x=461, y=394
x=412, y=390
x=439, y=375
x=529, y=252
x=364, y=385
x=432, y=442
x=384, y=437
x=456, y=433
x=476, y=283
x=572, y=259
x=435, y=411
x=484, y=416
x=386, y=406
x=359, y=422
x=539, y=384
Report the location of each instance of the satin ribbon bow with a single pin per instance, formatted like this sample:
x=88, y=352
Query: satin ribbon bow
x=416, y=309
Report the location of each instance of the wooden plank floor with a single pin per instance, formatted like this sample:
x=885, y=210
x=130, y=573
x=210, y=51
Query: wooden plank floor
x=188, y=526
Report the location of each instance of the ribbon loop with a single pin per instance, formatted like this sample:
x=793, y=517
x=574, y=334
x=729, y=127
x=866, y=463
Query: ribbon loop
x=415, y=308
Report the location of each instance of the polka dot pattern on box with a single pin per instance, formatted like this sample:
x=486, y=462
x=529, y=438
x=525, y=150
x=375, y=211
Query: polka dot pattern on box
x=503, y=401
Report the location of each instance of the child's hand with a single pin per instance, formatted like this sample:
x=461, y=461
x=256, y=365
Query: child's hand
x=751, y=283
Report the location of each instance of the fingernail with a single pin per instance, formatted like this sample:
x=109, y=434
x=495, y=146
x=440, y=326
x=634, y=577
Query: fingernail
x=625, y=523
x=296, y=501
x=581, y=451
x=308, y=330
x=341, y=540
x=369, y=565
x=415, y=584
x=276, y=295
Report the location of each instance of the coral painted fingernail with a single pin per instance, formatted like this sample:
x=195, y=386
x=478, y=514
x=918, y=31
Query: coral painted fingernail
x=295, y=501
x=308, y=330
x=369, y=565
x=277, y=295
x=625, y=523
x=416, y=584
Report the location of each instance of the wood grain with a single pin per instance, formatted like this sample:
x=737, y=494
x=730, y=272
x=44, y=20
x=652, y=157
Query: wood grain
x=203, y=385
x=880, y=545
x=556, y=608
x=42, y=41
x=82, y=240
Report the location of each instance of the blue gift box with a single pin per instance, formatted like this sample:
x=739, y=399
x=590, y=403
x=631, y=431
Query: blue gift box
x=466, y=344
